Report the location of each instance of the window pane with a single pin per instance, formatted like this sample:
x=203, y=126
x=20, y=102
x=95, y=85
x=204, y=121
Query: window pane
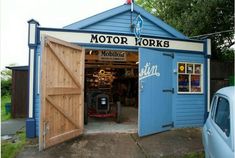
x=190, y=68
x=213, y=105
x=195, y=83
x=222, y=116
x=183, y=83
x=181, y=68
x=197, y=68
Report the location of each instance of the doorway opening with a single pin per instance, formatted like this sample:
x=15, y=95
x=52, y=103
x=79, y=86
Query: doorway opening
x=111, y=91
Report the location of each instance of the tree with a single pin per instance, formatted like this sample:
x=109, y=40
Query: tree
x=199, y=17
x=6, y=78
x=5, y=82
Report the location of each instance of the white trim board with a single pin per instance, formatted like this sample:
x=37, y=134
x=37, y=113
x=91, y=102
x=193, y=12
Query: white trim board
x=31, y=80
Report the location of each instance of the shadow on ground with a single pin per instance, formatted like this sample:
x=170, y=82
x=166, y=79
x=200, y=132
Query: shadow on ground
x=174, y=143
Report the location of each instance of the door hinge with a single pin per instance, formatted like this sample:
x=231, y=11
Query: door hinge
x=169, y=90
x=172, y=55
x=168, y=125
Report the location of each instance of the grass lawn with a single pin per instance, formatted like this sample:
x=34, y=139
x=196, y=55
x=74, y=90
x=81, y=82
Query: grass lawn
x=5, y=99
x=195, y=155
x=10, y=148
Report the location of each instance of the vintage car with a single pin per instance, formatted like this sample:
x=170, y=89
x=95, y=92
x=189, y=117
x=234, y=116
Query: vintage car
x=218, y=132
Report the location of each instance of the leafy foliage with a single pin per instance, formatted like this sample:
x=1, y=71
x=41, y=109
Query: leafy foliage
x=198, y=17
x=6, y=82
x=5, y=99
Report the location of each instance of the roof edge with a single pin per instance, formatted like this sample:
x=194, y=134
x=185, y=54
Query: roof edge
x=97, y=17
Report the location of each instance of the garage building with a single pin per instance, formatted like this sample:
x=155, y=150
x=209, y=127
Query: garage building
x=129, y=55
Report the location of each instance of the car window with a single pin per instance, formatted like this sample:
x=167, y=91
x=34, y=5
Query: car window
x=222, y=115
x=213, y=106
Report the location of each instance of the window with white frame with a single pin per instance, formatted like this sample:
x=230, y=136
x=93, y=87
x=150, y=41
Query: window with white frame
x=190, y=77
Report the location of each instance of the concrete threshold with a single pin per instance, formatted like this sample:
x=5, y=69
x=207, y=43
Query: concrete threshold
x=129, y=117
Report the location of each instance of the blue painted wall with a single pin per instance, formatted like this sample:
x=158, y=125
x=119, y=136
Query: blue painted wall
x=121, y=24
x=188, y=109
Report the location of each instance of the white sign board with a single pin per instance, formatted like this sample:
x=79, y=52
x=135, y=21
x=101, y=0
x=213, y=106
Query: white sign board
x=123, y=40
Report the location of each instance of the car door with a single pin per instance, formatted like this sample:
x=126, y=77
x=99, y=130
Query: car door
x=218, y=125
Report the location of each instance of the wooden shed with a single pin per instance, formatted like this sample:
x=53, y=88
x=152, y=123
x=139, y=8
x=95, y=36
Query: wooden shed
x=19, y=98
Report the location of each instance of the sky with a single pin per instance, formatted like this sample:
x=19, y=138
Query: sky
x=49, y=13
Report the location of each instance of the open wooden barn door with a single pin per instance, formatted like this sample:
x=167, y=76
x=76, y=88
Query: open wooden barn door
x=62, y=92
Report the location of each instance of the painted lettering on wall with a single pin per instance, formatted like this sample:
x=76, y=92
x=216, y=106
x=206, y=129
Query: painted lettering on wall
x=123, y=40
x=148, y=70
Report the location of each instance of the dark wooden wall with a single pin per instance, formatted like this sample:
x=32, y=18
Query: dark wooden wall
x=19, y=100
x=220, y=73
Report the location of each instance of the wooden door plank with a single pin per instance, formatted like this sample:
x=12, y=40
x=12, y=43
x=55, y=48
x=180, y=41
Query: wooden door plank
x=63, y=112
x=82, y=77
x=63, y=91
x=64, y=136
x=64, y=124
x=60, y=42
x=43, y=98
x=64, y=64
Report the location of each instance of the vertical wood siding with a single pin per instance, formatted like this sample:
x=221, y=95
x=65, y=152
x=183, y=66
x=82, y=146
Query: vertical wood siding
x=19, y=93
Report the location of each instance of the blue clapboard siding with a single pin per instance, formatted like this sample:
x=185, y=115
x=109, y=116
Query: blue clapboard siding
x=37, y=113
x=118, y=20
x=188, y=109
x=36, y=101
x=121, y=24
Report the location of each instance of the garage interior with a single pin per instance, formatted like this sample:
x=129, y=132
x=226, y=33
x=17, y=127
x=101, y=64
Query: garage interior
x=112, y=75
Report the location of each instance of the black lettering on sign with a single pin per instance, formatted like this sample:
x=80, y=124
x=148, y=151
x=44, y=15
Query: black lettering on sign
x=109, y=39
x=102, y=39
x=116, y=40
x=159, y=43
x=124, y=40
x=145, y=42
x=166, y=44
x=151, y=42
x=93, y=38
x=137, y=43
